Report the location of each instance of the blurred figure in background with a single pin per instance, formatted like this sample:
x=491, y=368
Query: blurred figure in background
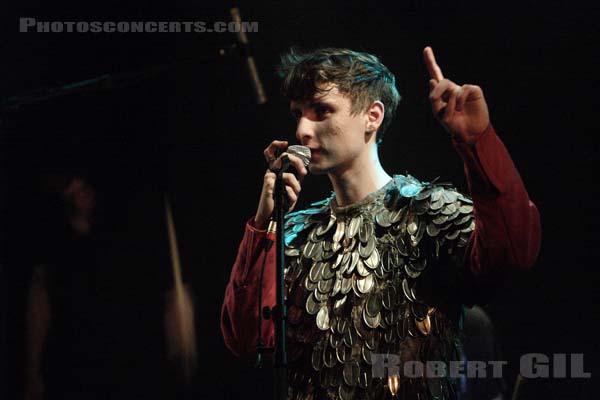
x=74, y=199
x=94, y=316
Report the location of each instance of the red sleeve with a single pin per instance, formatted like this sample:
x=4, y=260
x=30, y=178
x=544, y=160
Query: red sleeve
x=239, y=314
x=507, y=231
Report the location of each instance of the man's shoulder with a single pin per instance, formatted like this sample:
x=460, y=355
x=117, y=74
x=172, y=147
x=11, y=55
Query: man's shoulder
x=418, y=208
x=422, y=196
x=435, y=209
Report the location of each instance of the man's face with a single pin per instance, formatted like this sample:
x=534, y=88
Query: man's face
x=336, y=138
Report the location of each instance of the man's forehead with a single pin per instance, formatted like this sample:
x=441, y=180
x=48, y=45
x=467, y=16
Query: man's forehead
x=328, y=94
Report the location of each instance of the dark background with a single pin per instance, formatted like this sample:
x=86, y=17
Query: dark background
x=193, y=131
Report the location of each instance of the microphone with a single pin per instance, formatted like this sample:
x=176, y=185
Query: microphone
x=303, y=153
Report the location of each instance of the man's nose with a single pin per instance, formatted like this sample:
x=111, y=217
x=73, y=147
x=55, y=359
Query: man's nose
x=304, y=130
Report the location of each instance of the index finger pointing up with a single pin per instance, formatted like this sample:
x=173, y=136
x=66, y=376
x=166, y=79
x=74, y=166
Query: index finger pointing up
x=434, y=70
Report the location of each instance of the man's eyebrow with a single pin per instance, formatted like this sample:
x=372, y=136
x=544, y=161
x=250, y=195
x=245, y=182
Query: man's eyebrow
x=322, y=102
x=313, y=103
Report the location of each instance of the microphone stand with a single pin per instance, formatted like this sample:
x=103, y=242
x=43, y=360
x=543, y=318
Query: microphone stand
x=280, y=312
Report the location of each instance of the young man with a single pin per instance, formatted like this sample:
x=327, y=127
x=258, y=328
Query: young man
x=385, y=264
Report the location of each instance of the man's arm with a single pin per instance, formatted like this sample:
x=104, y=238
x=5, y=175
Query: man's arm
x=240, y=314
x=507, y=231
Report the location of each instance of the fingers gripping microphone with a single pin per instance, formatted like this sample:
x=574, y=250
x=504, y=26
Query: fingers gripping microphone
x=303, y=153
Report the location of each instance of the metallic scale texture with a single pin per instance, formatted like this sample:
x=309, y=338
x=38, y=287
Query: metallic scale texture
x=365, y=279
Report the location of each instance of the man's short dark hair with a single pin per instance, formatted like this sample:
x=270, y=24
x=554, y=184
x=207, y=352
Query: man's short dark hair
x=360, y=76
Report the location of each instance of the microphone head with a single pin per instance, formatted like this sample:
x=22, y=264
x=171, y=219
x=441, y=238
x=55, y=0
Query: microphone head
x=301, y=152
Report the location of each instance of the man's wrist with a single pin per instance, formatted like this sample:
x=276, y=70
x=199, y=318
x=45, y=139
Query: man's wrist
x=472, y=140
x=259, y=223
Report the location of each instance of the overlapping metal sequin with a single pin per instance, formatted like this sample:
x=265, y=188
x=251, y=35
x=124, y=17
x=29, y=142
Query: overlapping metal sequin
x=353, y=287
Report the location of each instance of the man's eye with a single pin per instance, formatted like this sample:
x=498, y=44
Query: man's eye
x=296, y=114
x=321, y=110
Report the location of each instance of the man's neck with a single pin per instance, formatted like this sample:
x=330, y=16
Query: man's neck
x=355, y=183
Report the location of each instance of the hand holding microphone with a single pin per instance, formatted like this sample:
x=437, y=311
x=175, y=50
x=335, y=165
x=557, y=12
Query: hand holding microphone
x=297, y=158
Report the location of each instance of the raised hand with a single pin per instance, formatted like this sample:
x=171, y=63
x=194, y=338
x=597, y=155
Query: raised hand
x=461, y=110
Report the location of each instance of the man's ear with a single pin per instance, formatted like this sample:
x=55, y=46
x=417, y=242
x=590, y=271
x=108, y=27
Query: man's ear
x=375, y=114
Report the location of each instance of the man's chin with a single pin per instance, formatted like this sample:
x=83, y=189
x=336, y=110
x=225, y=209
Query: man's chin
x=316, y=170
